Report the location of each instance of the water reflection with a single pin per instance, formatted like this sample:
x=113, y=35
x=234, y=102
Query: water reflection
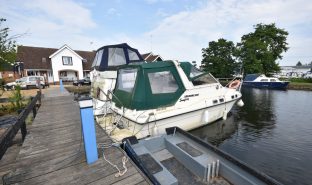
x=272, y=133
x=217, y=132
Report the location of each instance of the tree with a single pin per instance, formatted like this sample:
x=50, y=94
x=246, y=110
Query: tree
x=299, y=63
x=7, y=47
x=259, y=50
x=219, y=59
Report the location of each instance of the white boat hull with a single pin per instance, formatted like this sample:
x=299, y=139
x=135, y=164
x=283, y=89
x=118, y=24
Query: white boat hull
x=186, y=121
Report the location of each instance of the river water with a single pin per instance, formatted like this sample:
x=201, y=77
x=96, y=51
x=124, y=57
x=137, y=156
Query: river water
x=271, y=133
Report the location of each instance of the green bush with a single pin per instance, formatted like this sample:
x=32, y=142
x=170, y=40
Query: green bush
x=17, y=102
x=16, y=98
x=301, y=80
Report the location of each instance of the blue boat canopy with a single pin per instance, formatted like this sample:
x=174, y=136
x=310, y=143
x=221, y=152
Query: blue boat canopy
x=111, y=56
x=251, y=77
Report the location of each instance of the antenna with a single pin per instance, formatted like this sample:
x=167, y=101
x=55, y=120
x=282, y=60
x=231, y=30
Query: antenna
x=151, y=43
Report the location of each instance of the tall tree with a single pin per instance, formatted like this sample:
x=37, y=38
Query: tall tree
x=7, y=46
x=260, y=49
x=218, y=58
x=299, y=63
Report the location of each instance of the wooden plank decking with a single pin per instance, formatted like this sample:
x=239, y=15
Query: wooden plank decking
x=53, y=151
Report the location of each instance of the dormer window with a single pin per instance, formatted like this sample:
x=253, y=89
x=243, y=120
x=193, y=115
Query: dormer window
x=67, y=60
x=84, y=60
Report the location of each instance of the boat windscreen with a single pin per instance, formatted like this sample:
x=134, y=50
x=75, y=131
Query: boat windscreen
x=204, y=79
x=195, y=72
x=126, y=79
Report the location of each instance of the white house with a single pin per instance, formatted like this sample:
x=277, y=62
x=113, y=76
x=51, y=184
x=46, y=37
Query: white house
x=55, y=64
x=66, y=64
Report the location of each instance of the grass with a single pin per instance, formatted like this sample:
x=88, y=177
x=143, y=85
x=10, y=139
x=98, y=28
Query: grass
x=300, y=86
x=76, y=89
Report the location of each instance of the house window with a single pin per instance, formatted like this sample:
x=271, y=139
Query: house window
x=67, y=60
x=63, y=73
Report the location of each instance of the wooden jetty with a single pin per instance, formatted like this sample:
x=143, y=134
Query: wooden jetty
x=53, y=151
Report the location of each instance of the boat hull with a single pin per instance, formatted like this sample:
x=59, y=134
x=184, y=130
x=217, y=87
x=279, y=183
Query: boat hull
x=269, y=85
x=186, y=121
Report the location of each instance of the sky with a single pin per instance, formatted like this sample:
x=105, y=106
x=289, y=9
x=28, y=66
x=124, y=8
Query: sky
x=174, y=29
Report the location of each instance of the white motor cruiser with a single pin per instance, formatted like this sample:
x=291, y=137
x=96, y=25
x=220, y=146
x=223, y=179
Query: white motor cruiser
x=104, y=72
x=150, y=97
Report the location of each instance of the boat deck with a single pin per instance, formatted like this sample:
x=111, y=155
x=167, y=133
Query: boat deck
x=53, y=150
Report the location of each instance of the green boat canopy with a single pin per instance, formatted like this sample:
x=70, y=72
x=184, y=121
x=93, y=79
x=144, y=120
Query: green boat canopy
x=191, y=72
x=148, y=85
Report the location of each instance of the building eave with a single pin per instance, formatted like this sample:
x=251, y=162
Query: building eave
x=61, y=49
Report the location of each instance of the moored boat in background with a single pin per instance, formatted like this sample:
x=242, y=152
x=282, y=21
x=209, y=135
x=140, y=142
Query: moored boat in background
x=261, y=81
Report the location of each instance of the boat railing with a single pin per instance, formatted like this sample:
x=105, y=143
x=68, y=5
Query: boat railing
x=116, y=122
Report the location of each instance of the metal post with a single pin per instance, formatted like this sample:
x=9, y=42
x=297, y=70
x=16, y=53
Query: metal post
x=208, y=173
x=61, y=86
x=218, y=167
x=213, y=169
x=88, y=129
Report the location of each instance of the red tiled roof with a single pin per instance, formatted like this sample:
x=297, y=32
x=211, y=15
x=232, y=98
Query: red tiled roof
x=150, y=57
x=32, y=57
x=145, y=55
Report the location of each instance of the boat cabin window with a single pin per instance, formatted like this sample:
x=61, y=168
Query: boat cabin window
x=205, y=79
x=116, y=57
x=133, y=55
x=272, y=80
x=97, y=58
x=162, y=82
x=126, y=79
x=264, y=80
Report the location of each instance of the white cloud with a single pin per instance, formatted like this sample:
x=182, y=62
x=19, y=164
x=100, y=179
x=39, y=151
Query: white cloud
x=184, y=34
x=178, y=36
x=111, y=11
x=47, y=23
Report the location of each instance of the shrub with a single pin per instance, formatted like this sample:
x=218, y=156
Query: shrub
x=301, y=80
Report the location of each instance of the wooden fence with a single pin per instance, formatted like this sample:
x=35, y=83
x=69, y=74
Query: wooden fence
x=7, y=137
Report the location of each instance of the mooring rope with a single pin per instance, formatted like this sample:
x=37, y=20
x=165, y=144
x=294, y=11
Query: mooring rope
x=124, y=159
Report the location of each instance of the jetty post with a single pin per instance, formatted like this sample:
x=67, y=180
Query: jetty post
x=88, y=129
x=61, y=86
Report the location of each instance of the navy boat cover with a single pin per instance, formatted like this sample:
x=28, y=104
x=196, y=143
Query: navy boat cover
x=111, y=56
x=251, y=77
